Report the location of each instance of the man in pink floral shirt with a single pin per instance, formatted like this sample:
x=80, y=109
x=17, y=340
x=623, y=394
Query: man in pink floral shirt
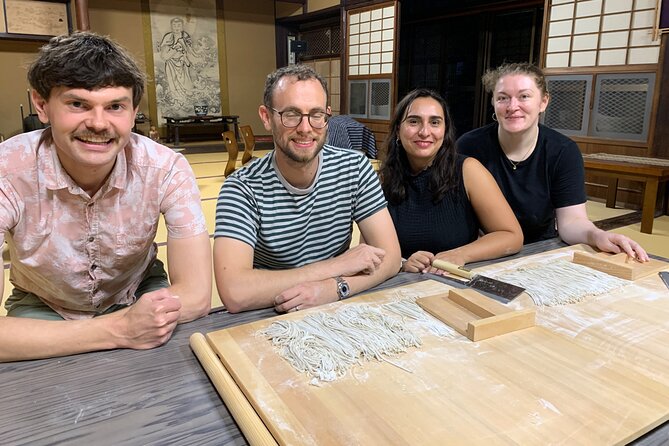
x=79, y=206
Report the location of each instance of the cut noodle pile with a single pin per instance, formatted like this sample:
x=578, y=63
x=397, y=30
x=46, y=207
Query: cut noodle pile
x=561, y=282
x=326, y=345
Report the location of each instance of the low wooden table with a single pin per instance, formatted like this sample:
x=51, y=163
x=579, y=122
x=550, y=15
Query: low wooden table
x=588, y=373
x=174, y=123
x=621, y=167
x=163, y=396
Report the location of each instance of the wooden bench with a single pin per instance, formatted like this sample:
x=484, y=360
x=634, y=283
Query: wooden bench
x=620, y=167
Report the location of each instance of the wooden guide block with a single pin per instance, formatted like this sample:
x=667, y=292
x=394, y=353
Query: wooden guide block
x=619, y=265
x=474, y=315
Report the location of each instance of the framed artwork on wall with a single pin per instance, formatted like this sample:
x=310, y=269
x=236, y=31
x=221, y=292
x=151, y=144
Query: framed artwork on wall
x=34, y=20
x=185, y=57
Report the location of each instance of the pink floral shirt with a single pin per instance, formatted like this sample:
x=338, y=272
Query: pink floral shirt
x=82, y=254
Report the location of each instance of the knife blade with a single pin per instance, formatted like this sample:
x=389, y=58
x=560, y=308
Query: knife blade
x=507, y=291
x=461, y=283
x=664, y=275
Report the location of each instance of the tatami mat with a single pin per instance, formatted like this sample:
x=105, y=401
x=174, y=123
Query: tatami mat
x=657, y=243
x=208, y=168
x=598, y=211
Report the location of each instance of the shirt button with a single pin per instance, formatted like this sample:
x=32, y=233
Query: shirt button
x=90, y=239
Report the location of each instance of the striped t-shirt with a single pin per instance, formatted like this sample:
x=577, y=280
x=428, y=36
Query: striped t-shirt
x=290, y=228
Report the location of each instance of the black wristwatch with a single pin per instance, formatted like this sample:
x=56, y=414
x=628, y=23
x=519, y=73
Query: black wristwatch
x=343, y=290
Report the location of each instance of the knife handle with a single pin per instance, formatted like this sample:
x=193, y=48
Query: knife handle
x=453, y=268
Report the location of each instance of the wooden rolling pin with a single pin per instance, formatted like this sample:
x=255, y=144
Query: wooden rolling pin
x=249, y=422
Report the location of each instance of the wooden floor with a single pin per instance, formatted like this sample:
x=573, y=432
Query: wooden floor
x=208, y=167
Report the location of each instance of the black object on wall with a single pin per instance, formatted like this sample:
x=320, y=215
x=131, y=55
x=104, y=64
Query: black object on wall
x=298, y=46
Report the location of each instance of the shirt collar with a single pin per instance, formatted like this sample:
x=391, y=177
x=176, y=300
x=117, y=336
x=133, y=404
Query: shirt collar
x=290, y=187
x=55, y=177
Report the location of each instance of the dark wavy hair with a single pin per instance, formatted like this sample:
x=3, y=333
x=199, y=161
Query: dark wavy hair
x=85, y=60
x=395, y=171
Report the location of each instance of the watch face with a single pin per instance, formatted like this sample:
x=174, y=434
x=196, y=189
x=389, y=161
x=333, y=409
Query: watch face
x=342, y=287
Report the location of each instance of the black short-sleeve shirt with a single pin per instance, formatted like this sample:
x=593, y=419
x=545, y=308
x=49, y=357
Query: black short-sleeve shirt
x=552, y=177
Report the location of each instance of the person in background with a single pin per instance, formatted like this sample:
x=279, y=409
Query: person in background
x=80, y=203
x=284, y=222
x=443, y=205
x=539, y=170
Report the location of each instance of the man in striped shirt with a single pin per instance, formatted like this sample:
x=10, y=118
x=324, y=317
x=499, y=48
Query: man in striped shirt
x=284, y=222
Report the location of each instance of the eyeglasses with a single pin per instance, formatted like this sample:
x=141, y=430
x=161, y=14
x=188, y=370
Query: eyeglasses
x=292, y=119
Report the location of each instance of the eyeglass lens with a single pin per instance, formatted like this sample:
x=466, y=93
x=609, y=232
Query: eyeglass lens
x=317, y=120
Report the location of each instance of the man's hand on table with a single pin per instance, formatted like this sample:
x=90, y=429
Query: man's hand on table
x=149, y=322
x=306, y=295
x=361, y=259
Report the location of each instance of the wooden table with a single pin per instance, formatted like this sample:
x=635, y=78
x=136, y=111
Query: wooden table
x=139, y=397
x=174, y=123
x=648, y=174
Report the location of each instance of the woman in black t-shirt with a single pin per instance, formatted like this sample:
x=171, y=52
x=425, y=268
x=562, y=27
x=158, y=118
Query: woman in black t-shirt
x=539, y=170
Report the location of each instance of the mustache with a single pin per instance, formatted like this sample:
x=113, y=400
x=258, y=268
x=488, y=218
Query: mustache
x=93, y=135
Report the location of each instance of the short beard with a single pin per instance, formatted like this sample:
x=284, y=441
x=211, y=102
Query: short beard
x=302, y=159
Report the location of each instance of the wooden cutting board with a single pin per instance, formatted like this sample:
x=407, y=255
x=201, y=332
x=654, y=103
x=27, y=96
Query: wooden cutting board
x=619, y=265
x=474, y=315
x=532, y=386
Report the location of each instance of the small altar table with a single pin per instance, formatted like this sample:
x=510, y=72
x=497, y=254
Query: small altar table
x=174, y=123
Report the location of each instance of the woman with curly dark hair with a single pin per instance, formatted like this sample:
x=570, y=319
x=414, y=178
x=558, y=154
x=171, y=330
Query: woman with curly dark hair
x=444, y=205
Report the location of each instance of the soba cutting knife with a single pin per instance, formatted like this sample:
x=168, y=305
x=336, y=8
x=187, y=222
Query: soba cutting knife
x=664, y=275
x=507, y=291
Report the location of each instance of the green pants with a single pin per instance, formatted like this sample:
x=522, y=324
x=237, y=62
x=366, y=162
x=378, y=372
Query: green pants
x=28, y=305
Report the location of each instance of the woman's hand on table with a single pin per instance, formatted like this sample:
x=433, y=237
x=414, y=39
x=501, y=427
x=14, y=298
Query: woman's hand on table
x=418, y=262
x=452, y=256
x=616, y=243
x=421, y=261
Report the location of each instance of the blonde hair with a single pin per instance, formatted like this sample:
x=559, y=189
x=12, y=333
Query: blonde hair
x=491, y=77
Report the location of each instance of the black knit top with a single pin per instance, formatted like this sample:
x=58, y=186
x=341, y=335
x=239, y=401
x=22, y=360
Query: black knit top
x=422, y=225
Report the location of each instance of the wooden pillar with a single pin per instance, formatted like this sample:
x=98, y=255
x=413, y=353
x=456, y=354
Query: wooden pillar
x=81, y=8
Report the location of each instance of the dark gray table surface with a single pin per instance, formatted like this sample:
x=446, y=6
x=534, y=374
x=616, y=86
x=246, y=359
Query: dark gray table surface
x=144, y=397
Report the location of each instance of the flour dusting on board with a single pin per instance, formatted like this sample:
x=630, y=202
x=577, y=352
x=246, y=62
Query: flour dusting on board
x=561, y=282
x=326, y=345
